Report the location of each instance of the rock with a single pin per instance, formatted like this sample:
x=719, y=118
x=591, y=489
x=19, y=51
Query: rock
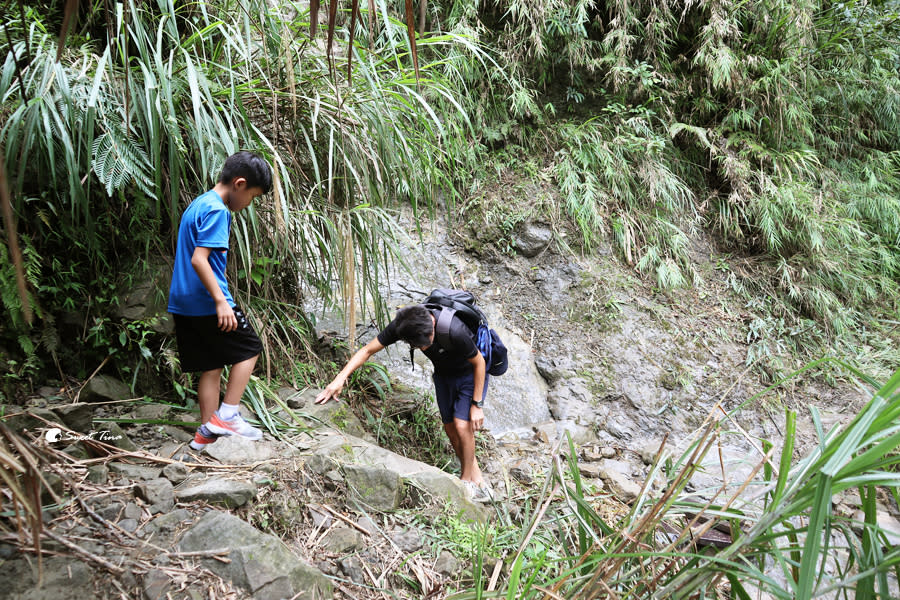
x=608, y=452
x=648, y=451
x=134, y=471
x=64, y=579
x=341, y=540
x=104, y=388
x=156, y=584
x=580, y=434
x=144, y=300
x=111, y=511
x=335, y=414
x=294, y=398
x=320, y=463
x=888, y=525
x=320, y=518
x=77, y=417
x=532, y=238
x=32, y=419
x=545, y=432
x=151, y=411
x=554, y=368
x=77, y=451
x=376, y=487
x=129, y=525
x=98, y=473
x=237, y=450
x=591, y=470
x=115, y=436
x=158, y=493
x=52, y=488
x=409, y=541
x=614, y=474
x=570, y=399
x=446, y=564
x=178, y=434
x=225, y=492
x=168, y=522
x=49, y=392
x=333, y=479
x=522, y=471
x=429, y=486
x=175, y=472
x=425, y=481
x=352, y=567
x=259, y=562
x=367, y=523
x=133, y=511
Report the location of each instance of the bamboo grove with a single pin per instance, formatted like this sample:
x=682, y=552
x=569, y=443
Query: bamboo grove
x=768, y=127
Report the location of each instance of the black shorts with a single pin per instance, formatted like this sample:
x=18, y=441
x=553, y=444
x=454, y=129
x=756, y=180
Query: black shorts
x=202, y=346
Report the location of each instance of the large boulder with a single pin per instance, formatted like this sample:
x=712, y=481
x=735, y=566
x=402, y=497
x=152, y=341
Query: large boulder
x=146, y=300
x=237, y=450
x=259, y=563
x=369, y=468
x=104, y=388
x=532, y=238
x=335, y=414
x=378, y=488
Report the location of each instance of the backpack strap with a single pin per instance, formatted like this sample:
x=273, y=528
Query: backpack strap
x=441, y=332
x=442, y=326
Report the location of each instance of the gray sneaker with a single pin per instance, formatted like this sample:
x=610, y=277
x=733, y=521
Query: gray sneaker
x=477, y=493
x=236, y=425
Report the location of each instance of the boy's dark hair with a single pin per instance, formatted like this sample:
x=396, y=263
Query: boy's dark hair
x=414, y=325
x=251, y=167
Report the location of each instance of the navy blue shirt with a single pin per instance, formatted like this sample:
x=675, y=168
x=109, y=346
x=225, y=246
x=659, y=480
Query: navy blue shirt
x=447, y=361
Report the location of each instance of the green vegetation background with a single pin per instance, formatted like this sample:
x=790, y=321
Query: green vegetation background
x=766, y=128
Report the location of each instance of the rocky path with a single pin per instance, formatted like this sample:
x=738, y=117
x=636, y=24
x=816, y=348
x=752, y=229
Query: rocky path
x=132, y=512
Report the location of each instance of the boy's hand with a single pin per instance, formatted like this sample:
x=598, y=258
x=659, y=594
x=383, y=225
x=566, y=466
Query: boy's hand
x=330, y=392
x=476, y=417
x=227, y=320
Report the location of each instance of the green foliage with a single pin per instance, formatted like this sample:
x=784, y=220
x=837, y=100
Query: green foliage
x=106, y=147
x=772, y=125
x=410, y=428
x=786, y=540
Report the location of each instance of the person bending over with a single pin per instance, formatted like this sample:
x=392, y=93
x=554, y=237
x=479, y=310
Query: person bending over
x=459, y=379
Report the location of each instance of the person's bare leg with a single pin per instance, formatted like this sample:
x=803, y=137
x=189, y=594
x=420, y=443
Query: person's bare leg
x=450, y=429
x=238, y=379
x=466, y=453
x=208, y=393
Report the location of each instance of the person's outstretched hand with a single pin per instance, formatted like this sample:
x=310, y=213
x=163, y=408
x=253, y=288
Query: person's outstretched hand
x=330, y=392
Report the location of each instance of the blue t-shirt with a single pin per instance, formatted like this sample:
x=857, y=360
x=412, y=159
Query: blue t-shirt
x=205, y=223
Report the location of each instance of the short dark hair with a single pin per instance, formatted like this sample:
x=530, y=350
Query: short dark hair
x=251, y=167
x=414, y=325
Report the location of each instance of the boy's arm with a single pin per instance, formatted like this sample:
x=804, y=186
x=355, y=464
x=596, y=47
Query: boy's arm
x=362, y=355
x=224, y=312
x=476, y=414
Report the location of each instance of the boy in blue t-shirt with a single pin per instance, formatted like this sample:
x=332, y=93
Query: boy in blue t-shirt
x=210, y=328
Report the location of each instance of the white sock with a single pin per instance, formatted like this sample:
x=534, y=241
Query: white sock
x=228, y=411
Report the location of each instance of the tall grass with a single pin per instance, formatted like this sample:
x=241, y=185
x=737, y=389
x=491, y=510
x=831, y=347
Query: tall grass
x=772, y=126
x=105, y=147
x=777, y=530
